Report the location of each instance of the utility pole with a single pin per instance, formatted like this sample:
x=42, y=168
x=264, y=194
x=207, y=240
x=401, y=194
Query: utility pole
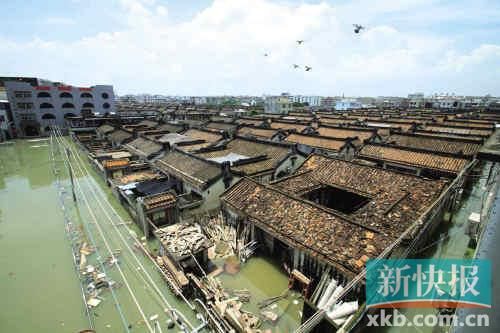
x=68, y=154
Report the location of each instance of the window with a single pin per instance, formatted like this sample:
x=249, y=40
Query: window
x=43, y=94
x=22, y=94
x=47, y=116
x=86, y=95
x=105, y=105
x=88, y=105
x=337, y=199
x=25, y=106
x=46, y=106
x=27, y=116
x=105, y=95
x=69, y=115
x=65, y=95
x=68, y=106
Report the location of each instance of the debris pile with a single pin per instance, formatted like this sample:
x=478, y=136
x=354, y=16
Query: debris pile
x=182, y=239
x=222, y=235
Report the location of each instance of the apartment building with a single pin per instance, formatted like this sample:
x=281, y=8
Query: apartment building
x=36, y=105
x=278, y=104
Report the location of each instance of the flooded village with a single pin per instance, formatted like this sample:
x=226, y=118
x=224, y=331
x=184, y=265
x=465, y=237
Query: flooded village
x=199, y=220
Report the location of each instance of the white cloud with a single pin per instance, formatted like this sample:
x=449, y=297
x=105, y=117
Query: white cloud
x=220, y=50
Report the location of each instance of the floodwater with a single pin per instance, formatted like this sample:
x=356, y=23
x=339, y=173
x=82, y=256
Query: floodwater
x=39, y=287
x=39, y=291
x=451, y=242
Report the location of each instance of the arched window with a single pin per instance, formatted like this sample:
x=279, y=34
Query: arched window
x=105, y=95
x=106, y=105
x=69, y=115
x=46, y=106
x=43, y=94
x=68, y=106
x=48, y=116
x=86, y=95
x=88, y=105
x=65, y=95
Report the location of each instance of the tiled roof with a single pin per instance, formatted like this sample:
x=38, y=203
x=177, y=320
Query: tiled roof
x=246, y=121
x=287, y=126
x=479, y=139
x=396, y=199
x=376, y=123
x=328, y=120
x=148, y=123
x=104, y=129
x=119, y=136
x=414, y=158
x=108, y=164
x=343, y=133
x=305, y=225
x=160, y=200
x=194, y=171
x=458, y=130
x=173, y=138
x=435, y=144
x=469, y=124
x=203, y=135
x=143, y=147
x=172, y=128
x=317, y=141
x=274, y=155
x=220, y=126
x=257, y=132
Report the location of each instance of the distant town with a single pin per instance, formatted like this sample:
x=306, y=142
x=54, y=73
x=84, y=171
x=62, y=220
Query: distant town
x=245, y=213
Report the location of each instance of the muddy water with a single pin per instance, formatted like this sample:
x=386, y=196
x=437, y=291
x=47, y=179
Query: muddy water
x=454, y=245
x=38, y=288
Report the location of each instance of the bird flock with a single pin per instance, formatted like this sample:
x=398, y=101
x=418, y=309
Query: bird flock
x=357, y=30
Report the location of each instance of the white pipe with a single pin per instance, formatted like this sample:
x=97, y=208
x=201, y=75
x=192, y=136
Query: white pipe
x=343, y=310
x=326, y=295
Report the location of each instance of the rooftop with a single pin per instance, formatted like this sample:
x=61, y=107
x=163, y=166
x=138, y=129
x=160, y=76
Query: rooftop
x=256, y=132
x=272, y=154
x=318, y=141
x=119, y=136
x=193, y=170
x=344, y=133
x=143, y=147
x=304, y=225
x=395, y=199
x=414, y=158
x=431, y=143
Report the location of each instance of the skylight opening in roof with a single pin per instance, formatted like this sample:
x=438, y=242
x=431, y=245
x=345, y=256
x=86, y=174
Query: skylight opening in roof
x=337, y=199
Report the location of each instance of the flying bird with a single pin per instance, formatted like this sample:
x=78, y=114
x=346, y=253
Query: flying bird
x=265, y=54
x=308, y=68
x=300, y=41
x=358, y=28
x=295, y=66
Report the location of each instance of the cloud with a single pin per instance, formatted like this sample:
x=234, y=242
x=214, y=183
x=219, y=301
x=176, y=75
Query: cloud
x=220, y=51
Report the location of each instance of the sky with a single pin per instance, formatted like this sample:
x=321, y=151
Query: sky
x=202, y=47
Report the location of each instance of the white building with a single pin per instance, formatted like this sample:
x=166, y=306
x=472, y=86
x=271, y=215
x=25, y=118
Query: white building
x=278, y=104
x=416, y=101
x=35, y=107
x=347, y=104
x=310, y=100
